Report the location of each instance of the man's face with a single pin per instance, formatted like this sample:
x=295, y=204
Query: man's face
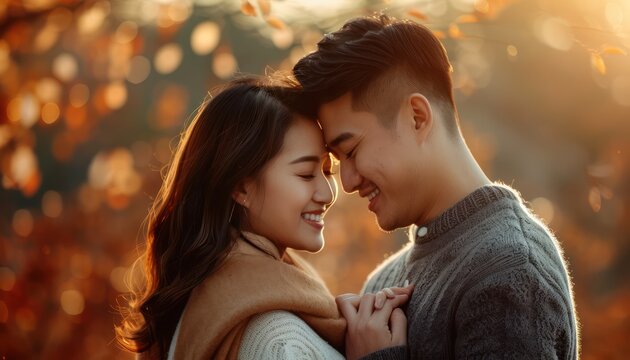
x=377, y=161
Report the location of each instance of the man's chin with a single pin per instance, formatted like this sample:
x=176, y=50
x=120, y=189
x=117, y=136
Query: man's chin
x=386, y=224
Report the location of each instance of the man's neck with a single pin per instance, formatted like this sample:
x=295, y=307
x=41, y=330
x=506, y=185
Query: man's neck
x=460, y=176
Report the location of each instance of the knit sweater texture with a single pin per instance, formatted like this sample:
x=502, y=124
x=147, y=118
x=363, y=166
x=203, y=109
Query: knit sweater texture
x=490, y=282
x=278, y=335
x=281, y=335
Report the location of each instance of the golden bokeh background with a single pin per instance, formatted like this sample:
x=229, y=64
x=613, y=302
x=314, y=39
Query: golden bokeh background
x=94, y=93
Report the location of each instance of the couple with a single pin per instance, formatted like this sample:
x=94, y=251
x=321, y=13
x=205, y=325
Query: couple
x=251, y=181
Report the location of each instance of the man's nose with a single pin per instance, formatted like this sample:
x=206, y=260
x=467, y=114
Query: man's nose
x=350, y=178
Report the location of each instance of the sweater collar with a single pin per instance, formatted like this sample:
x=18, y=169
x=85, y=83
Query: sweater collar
x=461, y=211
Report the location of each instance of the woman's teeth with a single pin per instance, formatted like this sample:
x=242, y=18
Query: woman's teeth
x=313, y=217
x=373, y=194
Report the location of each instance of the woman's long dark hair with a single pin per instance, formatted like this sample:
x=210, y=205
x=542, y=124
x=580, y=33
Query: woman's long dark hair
x=232, y=137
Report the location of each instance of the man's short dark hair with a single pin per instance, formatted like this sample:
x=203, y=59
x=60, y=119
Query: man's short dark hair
x=379, y=60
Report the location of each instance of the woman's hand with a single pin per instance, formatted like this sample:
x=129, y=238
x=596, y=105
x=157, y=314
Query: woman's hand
x=375, y=321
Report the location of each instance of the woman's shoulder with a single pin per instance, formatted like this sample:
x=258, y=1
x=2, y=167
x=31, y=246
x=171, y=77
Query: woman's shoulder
x=281, y=334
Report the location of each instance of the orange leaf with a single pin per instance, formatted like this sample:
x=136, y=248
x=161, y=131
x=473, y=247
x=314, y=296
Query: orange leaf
x=595, y=199
x=512, y=50
x=32, y=184
x=417, y=14
x=613, y=50
x=275, y=23
x=468, y=18
x=248, y=9
x=597, y=63
x=454, y=31
x=265, y=6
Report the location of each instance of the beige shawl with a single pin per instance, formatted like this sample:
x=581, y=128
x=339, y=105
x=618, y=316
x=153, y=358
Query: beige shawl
x=254, y=279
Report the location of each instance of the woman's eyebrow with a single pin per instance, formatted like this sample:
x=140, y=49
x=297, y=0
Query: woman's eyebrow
x=308, y=158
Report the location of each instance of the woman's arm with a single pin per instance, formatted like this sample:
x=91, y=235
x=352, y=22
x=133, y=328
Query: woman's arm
x=283, y=335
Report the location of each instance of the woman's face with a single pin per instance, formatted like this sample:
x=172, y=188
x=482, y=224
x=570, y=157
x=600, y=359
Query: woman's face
x=287, y=203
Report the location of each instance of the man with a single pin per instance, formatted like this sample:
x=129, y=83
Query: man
x=490, y=280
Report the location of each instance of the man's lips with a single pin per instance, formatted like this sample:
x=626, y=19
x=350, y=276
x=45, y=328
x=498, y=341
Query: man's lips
x=373, y=197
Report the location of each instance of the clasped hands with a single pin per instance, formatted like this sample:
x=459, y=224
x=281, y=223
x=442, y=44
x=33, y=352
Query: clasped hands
x=375, y=321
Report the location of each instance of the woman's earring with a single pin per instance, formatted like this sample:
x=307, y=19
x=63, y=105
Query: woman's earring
x=231, y=212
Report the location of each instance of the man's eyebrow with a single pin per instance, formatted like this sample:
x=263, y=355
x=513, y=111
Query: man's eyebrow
x=308, y=158
x=339, y=139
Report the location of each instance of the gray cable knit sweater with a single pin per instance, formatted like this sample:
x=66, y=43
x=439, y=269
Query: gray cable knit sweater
x=490, y=282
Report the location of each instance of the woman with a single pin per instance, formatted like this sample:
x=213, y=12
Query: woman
x=250, y=181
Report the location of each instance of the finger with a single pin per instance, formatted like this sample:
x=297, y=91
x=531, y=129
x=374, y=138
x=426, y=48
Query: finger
x=390, y=294
x=379, y=301
x=402, y=290
x=346, y=306
x=397, y=301
x=366, y=307
x=354, y=299
x=398, y=327
x=382, y=316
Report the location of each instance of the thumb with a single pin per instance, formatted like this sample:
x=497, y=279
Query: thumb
x=398, y=325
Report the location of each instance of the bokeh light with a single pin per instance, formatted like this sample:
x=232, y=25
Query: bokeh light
x=224, y=64
x=23, y=222
x=23, y=164
x=50, y=112
x=139, y=69
x=7, y=279
x=116, y=95
x=91, y=20
x=126, y=32
x=52, y=204
x=205, y=37
x=167, y=58
x=5, y=56
x=79, y=95
x=543, y=208
x=48, y=90
x=65, y=67
x=72, y=302
x=117, y=278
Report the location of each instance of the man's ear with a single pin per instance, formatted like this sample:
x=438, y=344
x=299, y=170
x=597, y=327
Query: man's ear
x=422, y=115
x=242, y=192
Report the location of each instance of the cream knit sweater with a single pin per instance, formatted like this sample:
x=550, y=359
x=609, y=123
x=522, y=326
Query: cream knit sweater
x=278, y=335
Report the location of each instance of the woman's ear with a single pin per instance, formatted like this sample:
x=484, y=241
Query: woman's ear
x=242, y=192
x=422, y=115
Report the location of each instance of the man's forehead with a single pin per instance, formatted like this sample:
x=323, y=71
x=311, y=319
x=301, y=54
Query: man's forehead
x=331, y=127
x=342, y=104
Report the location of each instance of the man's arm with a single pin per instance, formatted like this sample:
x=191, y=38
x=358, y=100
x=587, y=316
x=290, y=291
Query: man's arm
x=391, y=353
x=517, y=314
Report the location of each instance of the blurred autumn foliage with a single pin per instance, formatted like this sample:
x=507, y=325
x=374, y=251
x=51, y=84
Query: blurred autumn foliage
x=94, y=93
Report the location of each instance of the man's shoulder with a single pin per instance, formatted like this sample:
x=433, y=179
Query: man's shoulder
x=532, y=236
x=525, y=249
x=387, y=274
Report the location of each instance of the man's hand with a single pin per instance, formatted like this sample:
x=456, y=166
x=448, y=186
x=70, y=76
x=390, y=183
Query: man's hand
x=370, y=327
